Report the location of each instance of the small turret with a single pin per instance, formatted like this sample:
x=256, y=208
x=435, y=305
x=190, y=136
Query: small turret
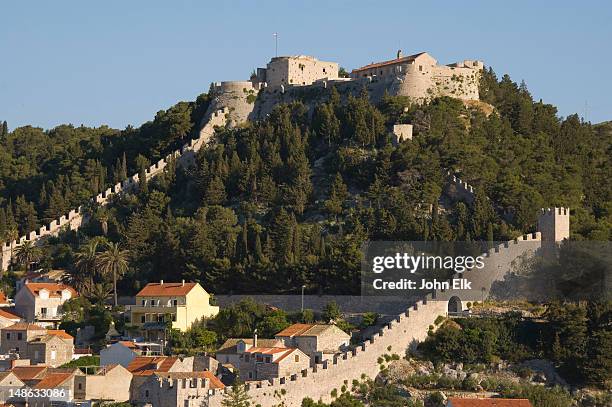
x=554, y=223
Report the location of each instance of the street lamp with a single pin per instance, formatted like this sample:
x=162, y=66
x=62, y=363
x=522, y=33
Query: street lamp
x=303, y=286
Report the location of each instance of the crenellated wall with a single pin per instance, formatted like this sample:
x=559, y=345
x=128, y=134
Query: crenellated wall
x=77, y=217
x=459, y=190
x=400, y=334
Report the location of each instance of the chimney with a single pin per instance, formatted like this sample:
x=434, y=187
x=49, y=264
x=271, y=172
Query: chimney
x=161, y=282
x=183, y=282
x=255, y=338
x=399, y=53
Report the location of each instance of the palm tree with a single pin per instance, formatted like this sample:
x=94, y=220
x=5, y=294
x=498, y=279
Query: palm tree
x=113, y=261
x=27, y=253
x=85, y=264
x=97, y=293
x=11, y=234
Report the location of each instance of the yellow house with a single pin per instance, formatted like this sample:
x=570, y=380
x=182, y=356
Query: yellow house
x=182, y=303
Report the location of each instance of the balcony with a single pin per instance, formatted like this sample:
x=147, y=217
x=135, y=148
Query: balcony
x=160, y=309
x=45, y=316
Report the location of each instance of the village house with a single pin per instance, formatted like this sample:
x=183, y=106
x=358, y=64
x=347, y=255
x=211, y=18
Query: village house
x=38, y=344
x=259, y=363
x=186, y=389
x=230, y=352
x=109, y=384
x=41, y=302
x=182, y=304
x=319, y=341
x=123, y=352
x=8, y=318
x=144, y=366
x=9, y=381
x=4, y=302
x=469, y=402
x=66, y=383
x=39, y=276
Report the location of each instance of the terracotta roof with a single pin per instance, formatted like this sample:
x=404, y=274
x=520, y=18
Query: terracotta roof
x=128, y=344
x=3, y=299
x=268, y=351
x=215, y=383
x=24, y=326
x=28, y=372
x=305, y=330
x=52, y=380
x=147, y=365
x=166, y=289
x=462, y=402
x=8, y=315
x=389, y=62
x=229, y=346
x=55, y=289
x=60, y=332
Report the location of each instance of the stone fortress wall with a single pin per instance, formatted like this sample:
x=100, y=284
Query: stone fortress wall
x=78, y=216
x=403, y=332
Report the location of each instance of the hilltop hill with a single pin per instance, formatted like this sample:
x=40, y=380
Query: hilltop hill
x=287, y=201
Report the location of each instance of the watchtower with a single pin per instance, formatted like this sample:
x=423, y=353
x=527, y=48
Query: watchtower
x=554, y=224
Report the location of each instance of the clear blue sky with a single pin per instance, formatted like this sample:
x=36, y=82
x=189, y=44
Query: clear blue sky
x=119, y=62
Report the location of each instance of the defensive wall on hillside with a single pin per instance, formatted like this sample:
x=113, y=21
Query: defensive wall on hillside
x=406, y=330
x=78, y=216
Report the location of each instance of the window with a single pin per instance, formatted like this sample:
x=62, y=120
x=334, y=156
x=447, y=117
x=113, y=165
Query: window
x=268, y=359
x=80, y=386
x=53, y=355
x=420, y=68
x=144, y=303
x=250, y=375
x=260, y=358
x=174, y=302
x=247, y=357
x=297, y=358
x=19, y=336
x=8, y=335
x=324, y=71
x=193, y=383
x=173, y=317
x=146, y=393
x=43, y=311
x=36, y=355
x=143, y=319
x=160, y=317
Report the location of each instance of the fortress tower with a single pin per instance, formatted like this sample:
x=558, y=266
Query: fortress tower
x=554, y=224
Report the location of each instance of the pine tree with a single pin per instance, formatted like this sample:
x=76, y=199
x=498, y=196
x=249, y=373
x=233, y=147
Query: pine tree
x=237, y=397
x=123, y=174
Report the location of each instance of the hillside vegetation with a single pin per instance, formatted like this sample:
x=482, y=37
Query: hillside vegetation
x=289, y=200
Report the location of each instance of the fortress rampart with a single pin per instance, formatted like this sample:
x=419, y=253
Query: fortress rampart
x=78, y=216
x=400, y=334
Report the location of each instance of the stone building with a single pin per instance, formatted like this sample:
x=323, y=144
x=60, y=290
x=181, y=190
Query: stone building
x=38, y=344
x=232, y=349
x=299, y=70
x=319, y=341
x=41, y=302
x=111, y=383
x=8, y=318
x=9, y=382
x=259, y=363
x=123, y=352
x=186, y=389
x=420, y=77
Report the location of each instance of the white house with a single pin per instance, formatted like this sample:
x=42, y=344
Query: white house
x=40, y=302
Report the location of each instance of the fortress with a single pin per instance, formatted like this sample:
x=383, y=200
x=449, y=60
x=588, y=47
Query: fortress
x=287, y=78
x=416, y=76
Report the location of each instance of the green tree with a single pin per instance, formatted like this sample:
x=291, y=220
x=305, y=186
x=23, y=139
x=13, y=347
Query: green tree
x=27, y=253
x=237, y=397
x=113, y=261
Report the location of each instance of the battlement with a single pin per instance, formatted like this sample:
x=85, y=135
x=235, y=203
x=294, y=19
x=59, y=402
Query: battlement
x=76, y=217
x=554, y=223
x=459, y=189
